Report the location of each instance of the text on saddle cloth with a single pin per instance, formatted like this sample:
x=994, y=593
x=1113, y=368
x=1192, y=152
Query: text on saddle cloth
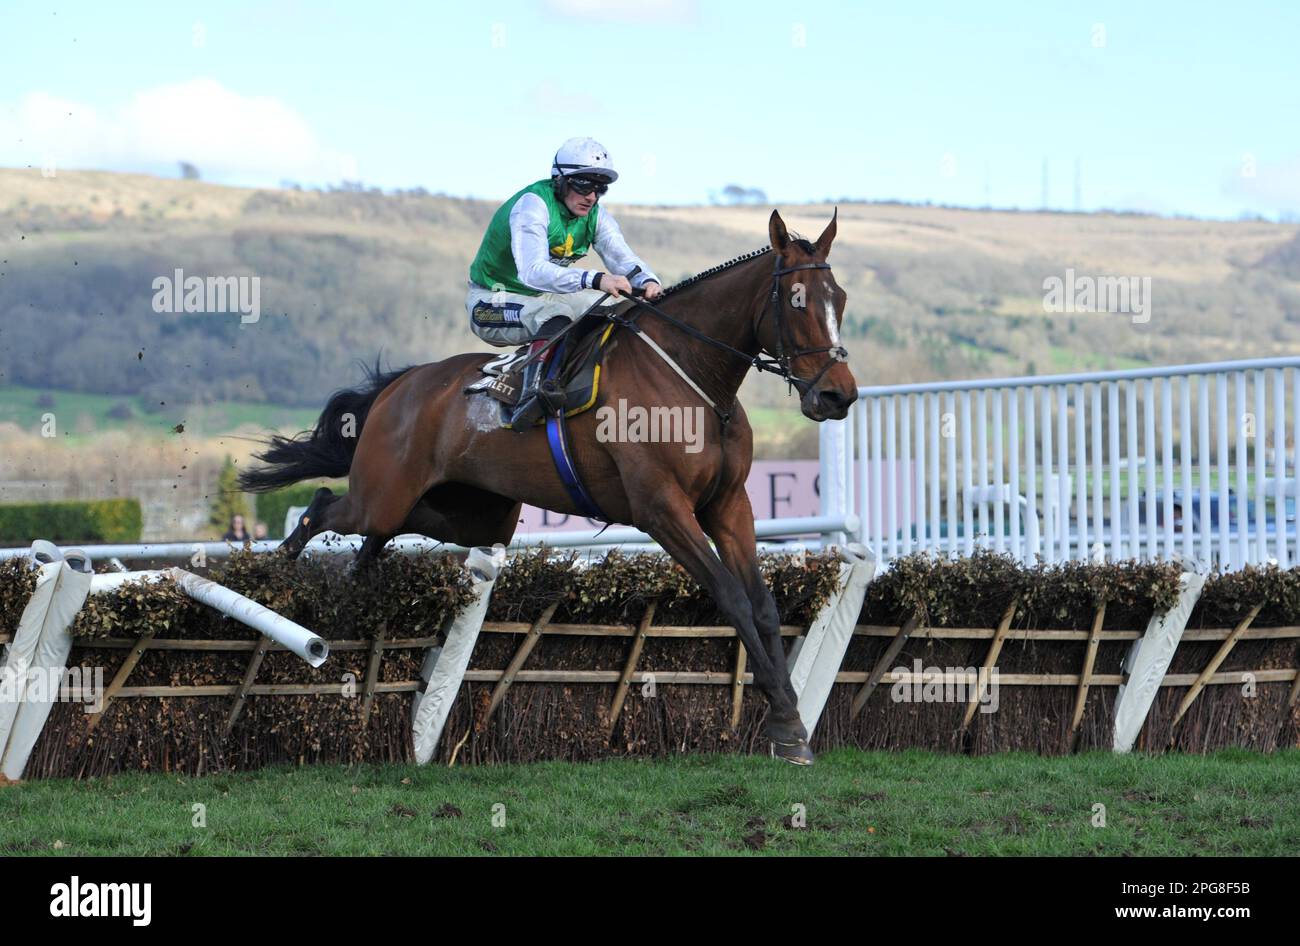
x=579, y=375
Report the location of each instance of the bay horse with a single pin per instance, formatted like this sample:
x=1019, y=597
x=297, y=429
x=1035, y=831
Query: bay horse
x=423, y=457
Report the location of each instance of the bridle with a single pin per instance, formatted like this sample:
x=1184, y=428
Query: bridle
x=781, y=365
x=838, y=353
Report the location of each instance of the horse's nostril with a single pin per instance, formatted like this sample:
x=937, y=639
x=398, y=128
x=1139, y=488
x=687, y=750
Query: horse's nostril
x=837, y=400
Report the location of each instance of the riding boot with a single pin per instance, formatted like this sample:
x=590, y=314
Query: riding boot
x=539, y=394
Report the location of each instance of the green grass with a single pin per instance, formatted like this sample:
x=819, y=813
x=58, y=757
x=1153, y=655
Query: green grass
x=1071, y=360
x=780, y=419
x=80, y=415
x=1230, y=803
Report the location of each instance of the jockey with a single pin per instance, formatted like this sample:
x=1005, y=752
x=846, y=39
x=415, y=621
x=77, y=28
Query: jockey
x=521, y=287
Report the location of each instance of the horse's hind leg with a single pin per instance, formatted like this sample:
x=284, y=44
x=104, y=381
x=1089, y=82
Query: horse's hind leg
x=369, y=553
x=308, y=523
x=465, y=515
x=341, y=514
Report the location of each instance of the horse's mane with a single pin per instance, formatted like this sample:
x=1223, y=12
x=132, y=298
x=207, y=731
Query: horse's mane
x=803, y=244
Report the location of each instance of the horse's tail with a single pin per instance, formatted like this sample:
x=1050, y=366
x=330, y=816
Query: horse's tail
x=326, y=450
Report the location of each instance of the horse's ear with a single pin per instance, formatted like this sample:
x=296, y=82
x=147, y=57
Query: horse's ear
x=828, y=235
x=776, y=231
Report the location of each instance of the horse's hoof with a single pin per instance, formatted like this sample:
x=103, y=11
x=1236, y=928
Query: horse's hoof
x=797, y=753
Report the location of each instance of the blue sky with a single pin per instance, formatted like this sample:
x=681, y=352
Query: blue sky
x=1189, y=108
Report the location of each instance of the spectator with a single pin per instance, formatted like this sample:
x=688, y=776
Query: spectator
x=259, y=531
x=236, y=532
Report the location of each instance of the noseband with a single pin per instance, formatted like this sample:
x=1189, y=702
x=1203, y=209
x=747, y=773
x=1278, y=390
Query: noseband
x=782, y=363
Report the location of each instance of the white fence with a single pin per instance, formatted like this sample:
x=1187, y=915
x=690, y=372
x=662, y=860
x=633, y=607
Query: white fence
x=1193, y=461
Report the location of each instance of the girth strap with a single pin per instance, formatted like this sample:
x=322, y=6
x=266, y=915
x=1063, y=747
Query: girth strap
x=557, y=437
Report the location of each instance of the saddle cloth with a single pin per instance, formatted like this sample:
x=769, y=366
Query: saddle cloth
x=575, y=365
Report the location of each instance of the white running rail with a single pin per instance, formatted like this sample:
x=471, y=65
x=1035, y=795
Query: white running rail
x=1192, y=461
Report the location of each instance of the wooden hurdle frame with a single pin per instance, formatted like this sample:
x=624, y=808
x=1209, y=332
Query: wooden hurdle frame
x=738, y=679
x=532, y=632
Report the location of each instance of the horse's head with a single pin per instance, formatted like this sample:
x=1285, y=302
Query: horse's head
x=804, y=325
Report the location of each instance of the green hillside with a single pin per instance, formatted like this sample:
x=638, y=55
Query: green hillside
x=351, y=276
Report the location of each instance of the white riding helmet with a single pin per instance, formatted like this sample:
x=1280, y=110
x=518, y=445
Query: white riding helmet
x=583, y=157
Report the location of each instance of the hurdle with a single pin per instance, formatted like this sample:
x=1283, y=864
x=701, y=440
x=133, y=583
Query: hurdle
x=288, y=634
x=43, y=641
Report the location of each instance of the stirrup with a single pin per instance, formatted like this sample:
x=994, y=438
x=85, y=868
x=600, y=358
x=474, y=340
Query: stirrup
x=530, y=406
x=547, y=398
x=527, y=412
x=551, y=393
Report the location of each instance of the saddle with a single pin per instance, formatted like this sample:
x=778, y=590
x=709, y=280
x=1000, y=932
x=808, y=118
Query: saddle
x=574, y=366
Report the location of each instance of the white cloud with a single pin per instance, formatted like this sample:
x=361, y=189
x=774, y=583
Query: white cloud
x=229, y=137
x=627, y=11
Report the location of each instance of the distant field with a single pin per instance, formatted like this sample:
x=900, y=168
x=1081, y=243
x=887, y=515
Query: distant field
x=850, y=803
x=1069, y=360
x=81, y=416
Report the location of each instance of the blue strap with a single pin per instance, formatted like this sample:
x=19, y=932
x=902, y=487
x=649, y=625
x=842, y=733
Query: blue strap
x=556, y=435
x=558, y=438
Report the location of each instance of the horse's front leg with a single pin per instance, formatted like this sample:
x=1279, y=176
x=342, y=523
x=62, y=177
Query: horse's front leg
x=669, y=519
x=729, y=521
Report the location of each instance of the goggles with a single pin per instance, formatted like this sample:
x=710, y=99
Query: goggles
x=585, y=186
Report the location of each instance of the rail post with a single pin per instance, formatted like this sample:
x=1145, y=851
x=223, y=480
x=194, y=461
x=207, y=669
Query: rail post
x=833, y=479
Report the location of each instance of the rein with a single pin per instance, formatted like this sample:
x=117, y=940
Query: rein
x=780, y=365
